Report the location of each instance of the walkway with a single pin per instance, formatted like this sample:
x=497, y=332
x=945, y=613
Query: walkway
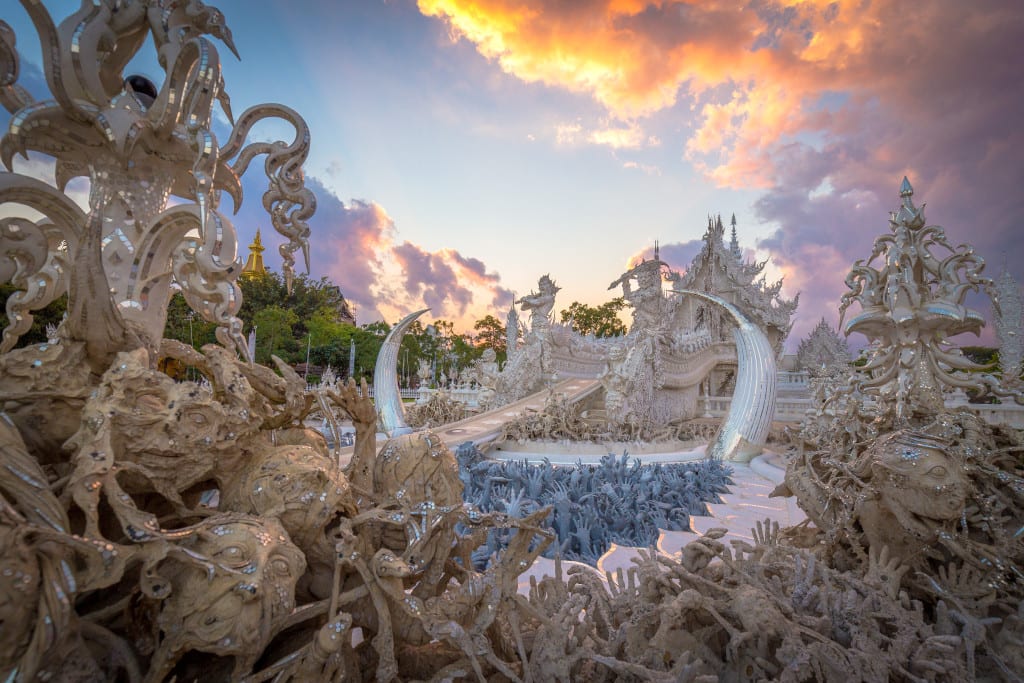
x=487, y=426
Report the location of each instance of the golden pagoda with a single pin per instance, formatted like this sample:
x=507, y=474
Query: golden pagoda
x=254, y=264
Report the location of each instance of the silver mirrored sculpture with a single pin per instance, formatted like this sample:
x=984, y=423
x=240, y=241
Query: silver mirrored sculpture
x=387, y=399
x=912, y=302
x=139, y=143
x=745, y=430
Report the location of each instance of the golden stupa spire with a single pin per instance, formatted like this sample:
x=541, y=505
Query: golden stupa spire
x=254, y=264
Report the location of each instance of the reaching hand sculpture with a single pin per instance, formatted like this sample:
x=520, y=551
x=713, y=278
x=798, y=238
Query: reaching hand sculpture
x=138, y=143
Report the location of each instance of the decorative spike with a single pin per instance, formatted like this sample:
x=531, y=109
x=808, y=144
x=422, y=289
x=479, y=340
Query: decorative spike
x=906, y=190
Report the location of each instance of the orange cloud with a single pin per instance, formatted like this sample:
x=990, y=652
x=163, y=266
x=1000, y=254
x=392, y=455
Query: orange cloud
x=637, y=58
x=603, y=48
x=782, y=94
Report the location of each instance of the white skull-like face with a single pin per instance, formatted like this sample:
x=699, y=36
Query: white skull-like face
x=176, y=429
x=914, y=472
x=251, y=593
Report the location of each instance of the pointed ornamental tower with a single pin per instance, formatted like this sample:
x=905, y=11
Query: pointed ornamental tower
x=254, y=264
x=734, y=244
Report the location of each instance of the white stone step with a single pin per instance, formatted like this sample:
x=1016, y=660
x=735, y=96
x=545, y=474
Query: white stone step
x=618, y=557
x=672, y=542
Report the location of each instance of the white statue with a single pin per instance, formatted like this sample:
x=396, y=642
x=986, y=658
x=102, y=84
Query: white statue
x=423, y=371
x=650, y=308
x=616, y=385
x=486, y=375
x=539, y=304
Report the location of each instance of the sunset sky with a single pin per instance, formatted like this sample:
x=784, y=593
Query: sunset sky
x=464, y=148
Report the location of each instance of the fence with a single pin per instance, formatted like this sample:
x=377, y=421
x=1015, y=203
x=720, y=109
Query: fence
x=405, y=393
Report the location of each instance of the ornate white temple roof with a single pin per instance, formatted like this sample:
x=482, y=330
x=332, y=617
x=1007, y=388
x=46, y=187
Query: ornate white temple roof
x=720, y=269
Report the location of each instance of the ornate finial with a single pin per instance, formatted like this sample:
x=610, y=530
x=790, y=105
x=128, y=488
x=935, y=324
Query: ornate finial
x=910, y=215
x=254, y=264
x=905, y=188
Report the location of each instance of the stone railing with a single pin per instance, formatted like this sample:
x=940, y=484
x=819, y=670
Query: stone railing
x=786, y=409
x=793, y=380
x=1005, y=414
x=405, y=393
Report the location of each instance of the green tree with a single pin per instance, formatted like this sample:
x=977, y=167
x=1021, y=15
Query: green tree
x=464, y=352
x=307, y=299
x=48, y=315
x=601, y=321
x=323, y=327
x=490, y=334
x=275, y=333
x=334, y=349
x=981, y=355
x=179, y=326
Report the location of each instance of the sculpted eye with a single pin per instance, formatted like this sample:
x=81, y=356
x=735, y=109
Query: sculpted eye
x=150, y=400
x=232, y=554
x=195, y=418
x=937, y=471
x=280, y=566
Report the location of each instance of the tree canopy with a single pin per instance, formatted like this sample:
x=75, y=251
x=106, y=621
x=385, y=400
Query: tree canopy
x=600, y=321
x=314, y=316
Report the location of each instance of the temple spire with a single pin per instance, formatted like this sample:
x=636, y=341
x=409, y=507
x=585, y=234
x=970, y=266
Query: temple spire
x=254, y=263
x=734, y=244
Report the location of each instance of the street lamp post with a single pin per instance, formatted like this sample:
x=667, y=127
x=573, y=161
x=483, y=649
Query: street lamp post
x=309, y=342
x=189, y=316
x=432, y=331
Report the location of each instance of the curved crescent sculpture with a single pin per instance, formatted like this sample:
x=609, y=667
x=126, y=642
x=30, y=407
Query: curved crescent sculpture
x=745, y=429
x=386, y=398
